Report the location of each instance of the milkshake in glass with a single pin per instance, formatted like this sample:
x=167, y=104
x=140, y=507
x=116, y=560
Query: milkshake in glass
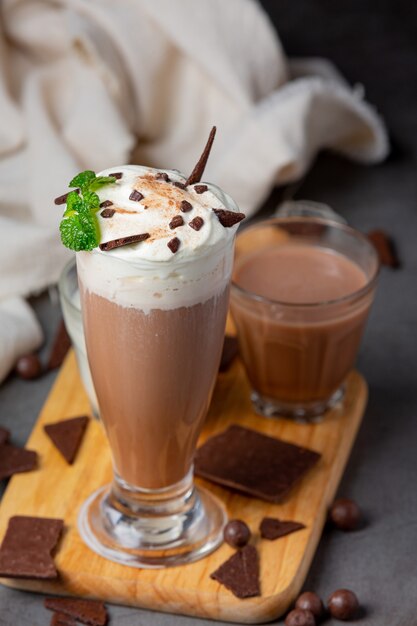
x=154, y=314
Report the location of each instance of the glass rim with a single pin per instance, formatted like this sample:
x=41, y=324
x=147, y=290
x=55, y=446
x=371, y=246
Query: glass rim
x=62, y=284
x=370, y=284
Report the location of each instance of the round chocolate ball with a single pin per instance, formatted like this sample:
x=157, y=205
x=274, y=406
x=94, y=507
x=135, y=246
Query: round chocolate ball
x=236, y=533
x=28, y=366
x=310, y=601
x=300, y=617
x=343, y=604
x=345, y=514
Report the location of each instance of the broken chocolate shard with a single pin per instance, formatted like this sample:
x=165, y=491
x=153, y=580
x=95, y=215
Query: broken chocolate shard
x=196, y=223
x=229, y=352
x=162, y=176
x=60, y=619
x=107, y=213
x=15, y=460
x=253, y=463
x=136, y=196
x=385, y=247
x=185, y=206
x=228, y=218
x=198, y=171
x=123, y=241
x=176, y=221
x=179, y=184
x=272, y=528
x=116, y=175
x=91, y=612
x=60, y=347
x=62, y=199
x=27, y=564
x=174, y=244
x=105, y=204
x=240, y=573
x=4, y=435
x=200, y=188
x=67, y=435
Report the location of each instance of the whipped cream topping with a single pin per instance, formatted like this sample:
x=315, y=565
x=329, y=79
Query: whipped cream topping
x=149, y=275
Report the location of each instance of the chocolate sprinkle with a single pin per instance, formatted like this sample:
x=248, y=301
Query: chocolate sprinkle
x=67, y=435
x=180, y=185
x=62, y=199
x=105, y=204
x=136, y=196
x=123, y=241
x=198, y=171
x=200, y=188
x=174, y=244
x=116, y=175
x=196, y=223
x=176, y=221
x=240, y=573
x=185, y=206
x=162, y=176
x=107, y=213
x=272, y=528
x=92, y=612
x=228, y=218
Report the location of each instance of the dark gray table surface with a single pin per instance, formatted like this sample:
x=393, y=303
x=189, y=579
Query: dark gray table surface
x=372, y=43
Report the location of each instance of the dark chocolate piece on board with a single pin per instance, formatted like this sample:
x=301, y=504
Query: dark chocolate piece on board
x=174, y=244
x=200, y=188
x=236, y=533
x=105, y=204
x=196, y=223
x=15, y=460
x=240, y=573
x=176, y=221
x=62, y=199
x=253, y=463
x=229, y=353
x=92, y=612
x=123, y=241
x=60, y=619
x=60, y=347
x=198, y=170
x=272, y=528
x=385, y=247
x=228, y=218
x=185, y=206
x=27, y=564
x=4, y=435
x=67, y=435
x=136, y=196
x=107, y=213
x=116, y=175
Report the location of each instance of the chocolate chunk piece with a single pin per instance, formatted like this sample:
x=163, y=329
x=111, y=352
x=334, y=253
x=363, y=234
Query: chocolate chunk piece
x=236, y=533
x=300, y=617
x=272, y=528
x=60, y=619
x=255, y=464
x=123, y=241
x=28, y=367
x=105, y=204
x=196, y=223
x=178, y=184
x=62, y=199
x=60, y=347
x=240, y=573
x=228, y=218
x=136, y=196
x=185, y=206
x=174, y=244
x=343, y=604
x=116, y=175
x=15, y=460
x=176, y=221
x=26, y=551
x=229, y=353
x=162, y=176
x=198, y=170
x=385, y=247
x=4, y=435
x=345, y=514
x=67, y=435
x=92, y=612
x=108, y=213
x=310, y=601
x=200, y=188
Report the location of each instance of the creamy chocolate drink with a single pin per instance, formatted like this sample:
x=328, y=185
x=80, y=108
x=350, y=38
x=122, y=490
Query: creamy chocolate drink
x=154, y=317
x=298, y=320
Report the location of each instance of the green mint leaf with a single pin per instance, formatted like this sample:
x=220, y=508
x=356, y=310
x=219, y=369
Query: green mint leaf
x=91, y=201
x=83, y=180
x=100, y=181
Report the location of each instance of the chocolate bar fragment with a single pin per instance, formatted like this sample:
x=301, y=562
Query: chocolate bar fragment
x=240, y=573
x=272, y=528
x=60, y=619
x=123, y=241
x=91, y=612
x=15, y=460
x=67, y=435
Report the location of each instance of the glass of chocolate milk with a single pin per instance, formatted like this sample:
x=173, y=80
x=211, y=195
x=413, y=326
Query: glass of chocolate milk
x=301, y=293
x=154, y=315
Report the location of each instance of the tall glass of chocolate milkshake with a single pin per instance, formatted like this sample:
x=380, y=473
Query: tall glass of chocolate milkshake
x=154, y=311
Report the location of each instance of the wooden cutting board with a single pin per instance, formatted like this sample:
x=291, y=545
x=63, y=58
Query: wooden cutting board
x=58, y=490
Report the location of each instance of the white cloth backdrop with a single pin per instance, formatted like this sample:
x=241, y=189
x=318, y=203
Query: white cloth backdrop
x=96, y=83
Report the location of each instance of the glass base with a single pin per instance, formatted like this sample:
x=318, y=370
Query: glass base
x=304, y=413
x=152, y=528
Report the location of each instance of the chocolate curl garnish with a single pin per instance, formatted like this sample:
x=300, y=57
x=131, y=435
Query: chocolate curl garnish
x=62, y=199
x=123, y=241
x=228, y=218
x=198, y=171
